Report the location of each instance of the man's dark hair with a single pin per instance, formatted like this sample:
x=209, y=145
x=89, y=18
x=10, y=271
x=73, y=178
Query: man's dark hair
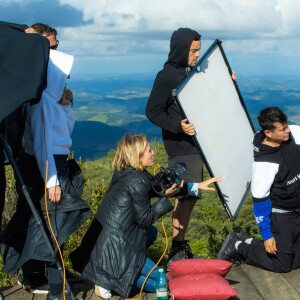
x=269, y=115
x=44, y=29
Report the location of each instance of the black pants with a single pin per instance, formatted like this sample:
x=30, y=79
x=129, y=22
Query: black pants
x=286, y=231
x=35, y=184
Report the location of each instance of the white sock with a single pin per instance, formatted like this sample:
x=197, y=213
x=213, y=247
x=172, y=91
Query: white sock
x=237, y=244
x=248, y=241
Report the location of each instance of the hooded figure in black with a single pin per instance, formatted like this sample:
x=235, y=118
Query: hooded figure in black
x=177, y=132
x=161, y=107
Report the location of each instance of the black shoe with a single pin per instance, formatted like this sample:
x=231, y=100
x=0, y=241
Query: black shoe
x=34, y=284
x=243, y=235
x=182, y=251
x=26, y=284
x=39, y=288
x=228, y=251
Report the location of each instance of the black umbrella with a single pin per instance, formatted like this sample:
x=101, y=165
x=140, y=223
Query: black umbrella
x=23, y=66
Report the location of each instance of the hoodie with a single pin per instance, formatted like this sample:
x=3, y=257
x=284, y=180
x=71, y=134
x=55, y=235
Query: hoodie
x=275, y=178
x=162, y=109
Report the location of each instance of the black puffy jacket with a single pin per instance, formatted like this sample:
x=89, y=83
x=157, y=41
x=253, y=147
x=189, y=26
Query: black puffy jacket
x=113, y=251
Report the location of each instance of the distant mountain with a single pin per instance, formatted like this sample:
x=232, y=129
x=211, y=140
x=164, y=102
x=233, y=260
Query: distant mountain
x=107, y=108
x=92, y=139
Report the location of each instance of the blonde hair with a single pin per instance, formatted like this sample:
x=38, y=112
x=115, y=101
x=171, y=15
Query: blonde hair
x=129, y=152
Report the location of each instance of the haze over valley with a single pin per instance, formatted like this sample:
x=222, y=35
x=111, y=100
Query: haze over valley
x=108, y=107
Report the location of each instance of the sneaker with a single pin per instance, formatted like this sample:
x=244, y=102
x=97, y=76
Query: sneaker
x=102, y=292
x=34, y=285
x=24, y=283
x=228, y=251
x=39, y=289
x=181, y=252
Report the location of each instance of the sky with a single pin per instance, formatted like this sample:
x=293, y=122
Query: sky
x=259, y=37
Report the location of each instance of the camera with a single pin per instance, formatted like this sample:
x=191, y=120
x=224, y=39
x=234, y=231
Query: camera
x=166, y=177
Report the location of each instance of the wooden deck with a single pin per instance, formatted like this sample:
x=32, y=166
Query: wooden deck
x=250, y=283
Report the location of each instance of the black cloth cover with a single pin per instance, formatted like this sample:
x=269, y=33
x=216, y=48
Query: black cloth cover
x=23, y=66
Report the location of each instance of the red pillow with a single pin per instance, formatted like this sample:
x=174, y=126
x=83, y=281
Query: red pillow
x=201, y=286
x=199, y=266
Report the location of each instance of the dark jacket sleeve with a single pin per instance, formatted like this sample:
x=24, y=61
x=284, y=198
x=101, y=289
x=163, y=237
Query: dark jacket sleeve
x=146, y=213
x=157, y=109
x=161, y=207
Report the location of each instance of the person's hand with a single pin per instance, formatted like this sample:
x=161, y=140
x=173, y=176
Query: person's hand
x=270, y=246
x=204, y=185
x=188, y=128
x=67, y=97
x=54, y=193
x=173, y=189
x=233, y=76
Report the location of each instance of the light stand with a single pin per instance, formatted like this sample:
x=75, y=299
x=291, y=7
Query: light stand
x=32, y=208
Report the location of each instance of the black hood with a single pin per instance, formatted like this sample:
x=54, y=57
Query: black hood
x=180, y=44
x=260, y=148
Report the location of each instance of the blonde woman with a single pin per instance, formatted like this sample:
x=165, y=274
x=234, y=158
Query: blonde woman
x=113, y=252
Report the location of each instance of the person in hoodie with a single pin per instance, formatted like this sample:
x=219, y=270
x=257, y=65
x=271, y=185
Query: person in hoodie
x=45, y=166
x=276, y=198
x=112, y=253
x=177, y=132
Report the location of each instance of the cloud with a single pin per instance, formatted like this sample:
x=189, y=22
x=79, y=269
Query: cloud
x=43, y=11
x=232, y=16
x=122, y=26
x=134, y=34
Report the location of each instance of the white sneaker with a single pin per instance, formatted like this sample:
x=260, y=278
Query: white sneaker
x=102, y=292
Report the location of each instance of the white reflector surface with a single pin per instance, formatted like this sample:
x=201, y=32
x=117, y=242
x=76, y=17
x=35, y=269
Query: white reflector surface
x=212, y=102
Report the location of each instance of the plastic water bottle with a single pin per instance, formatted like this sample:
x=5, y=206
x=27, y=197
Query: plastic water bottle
x=161, y=286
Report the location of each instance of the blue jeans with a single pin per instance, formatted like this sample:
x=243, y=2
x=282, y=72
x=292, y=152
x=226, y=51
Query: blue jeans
x=149, y=264
x=151, y=235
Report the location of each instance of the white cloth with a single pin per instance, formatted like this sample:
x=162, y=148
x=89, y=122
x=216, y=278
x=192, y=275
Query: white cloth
x=49, y=124
x=193, y=189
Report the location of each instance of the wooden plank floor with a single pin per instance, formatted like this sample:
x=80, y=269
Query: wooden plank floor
x=250, y=283
x=84, y=290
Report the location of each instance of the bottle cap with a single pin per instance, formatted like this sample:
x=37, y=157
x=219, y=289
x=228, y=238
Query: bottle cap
x=161, y=270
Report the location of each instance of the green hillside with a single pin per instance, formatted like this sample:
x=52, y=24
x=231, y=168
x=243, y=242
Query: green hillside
x=207, y=229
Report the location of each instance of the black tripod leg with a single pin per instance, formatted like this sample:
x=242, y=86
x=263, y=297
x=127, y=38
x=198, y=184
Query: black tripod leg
x=33, y=210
